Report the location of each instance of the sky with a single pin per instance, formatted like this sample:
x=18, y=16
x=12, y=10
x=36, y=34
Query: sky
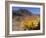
x=34, y=10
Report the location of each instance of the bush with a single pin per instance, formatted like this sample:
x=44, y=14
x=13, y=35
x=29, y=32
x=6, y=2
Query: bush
x=30, y=24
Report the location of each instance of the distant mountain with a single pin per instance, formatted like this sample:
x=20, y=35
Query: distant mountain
x=21, y=11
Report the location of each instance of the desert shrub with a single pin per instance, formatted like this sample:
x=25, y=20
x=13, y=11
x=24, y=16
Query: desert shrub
x=30, y=24
x=17, y=18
